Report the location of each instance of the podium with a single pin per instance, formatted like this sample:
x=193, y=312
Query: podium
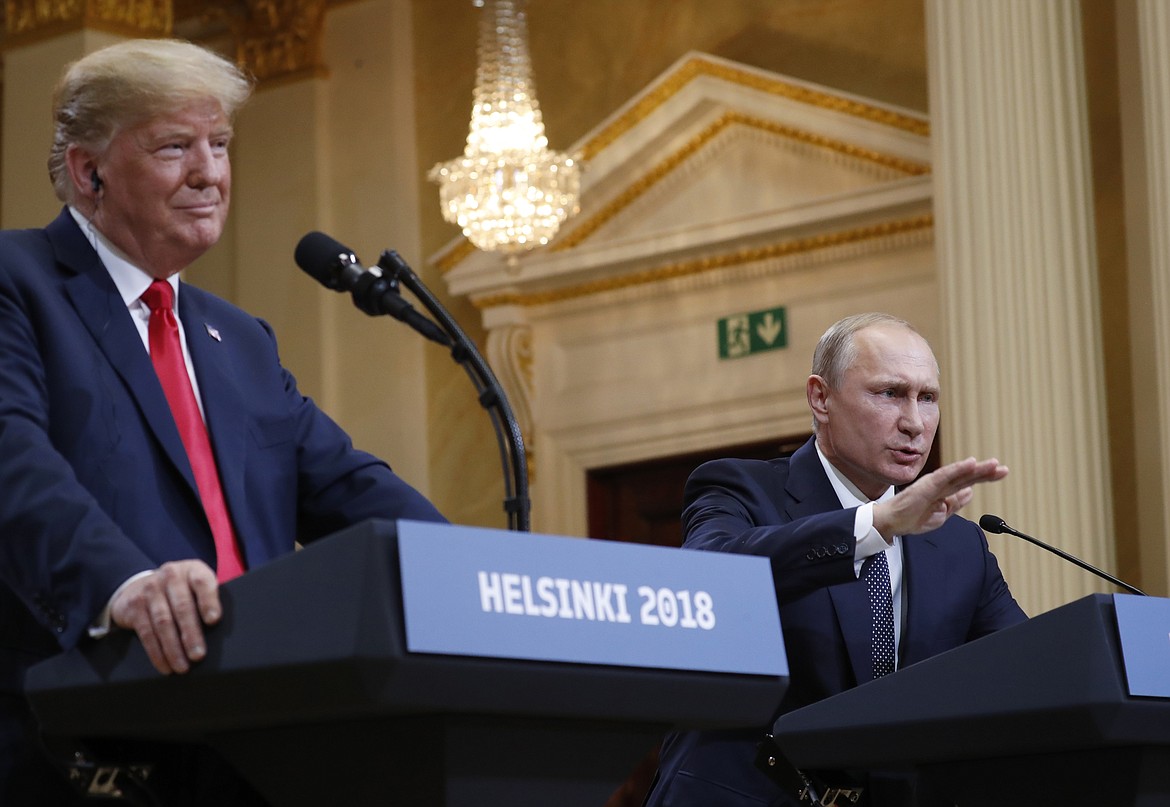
x=1040, y=713
x=311, y=691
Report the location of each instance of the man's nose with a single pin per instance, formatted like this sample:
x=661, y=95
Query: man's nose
x=912, y=422
x=206, y=167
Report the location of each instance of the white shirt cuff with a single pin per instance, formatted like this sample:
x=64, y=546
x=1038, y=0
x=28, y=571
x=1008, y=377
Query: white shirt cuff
x=101, y=626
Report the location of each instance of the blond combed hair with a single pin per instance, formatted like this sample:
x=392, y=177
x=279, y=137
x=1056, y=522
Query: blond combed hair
x=121, y=85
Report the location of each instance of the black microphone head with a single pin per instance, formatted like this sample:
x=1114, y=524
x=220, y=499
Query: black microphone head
x=992, y=523
x=324, y=258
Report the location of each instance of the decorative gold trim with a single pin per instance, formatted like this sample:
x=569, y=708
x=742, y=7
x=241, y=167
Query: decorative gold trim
x=670, y=86
x=698, y=66
x=672, y=271
x=453, y=258
x=586, y=228
x=280, y=39
x=27, y=21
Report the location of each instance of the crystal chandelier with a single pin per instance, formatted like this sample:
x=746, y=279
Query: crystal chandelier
x=508, y=192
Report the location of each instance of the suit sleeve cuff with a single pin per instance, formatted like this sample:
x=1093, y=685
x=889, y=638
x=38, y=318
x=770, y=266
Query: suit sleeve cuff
x=101, y=626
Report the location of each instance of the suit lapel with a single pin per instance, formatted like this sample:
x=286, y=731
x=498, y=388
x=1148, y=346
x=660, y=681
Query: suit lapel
x=811, y=493
x=223, y=401
x=95, y=298
x=855, y=618
x=923, y=580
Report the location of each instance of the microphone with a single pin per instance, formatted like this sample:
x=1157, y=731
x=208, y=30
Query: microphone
x=328, y=262
x=997, y=525
x=334, y=266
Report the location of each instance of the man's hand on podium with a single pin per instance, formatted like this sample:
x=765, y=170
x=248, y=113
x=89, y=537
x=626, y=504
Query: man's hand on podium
x=168, y=609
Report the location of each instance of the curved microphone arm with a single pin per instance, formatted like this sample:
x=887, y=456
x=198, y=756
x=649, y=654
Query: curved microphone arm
x=491, y=395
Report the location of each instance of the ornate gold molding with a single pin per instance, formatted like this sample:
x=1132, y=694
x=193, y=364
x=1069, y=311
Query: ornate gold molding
x=698, y=66
x=281, y=40
x=453, y=258
x=709, y=263
x=584, y=229
x=510, y=353
x=28, y=21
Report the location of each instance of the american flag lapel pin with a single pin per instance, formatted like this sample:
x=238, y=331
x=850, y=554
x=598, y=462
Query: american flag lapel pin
x=212, y=332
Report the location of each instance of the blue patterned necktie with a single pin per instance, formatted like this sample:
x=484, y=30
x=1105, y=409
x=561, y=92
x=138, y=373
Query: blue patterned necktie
x=876, y=574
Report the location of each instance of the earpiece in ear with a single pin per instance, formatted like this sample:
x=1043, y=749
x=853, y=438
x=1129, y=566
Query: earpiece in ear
x=95, y=181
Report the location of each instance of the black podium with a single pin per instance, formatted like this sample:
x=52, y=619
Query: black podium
x=1039, y=714
x=309, y=691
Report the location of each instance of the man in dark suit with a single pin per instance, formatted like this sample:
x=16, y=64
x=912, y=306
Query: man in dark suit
x=841, y=502
x=111, y=517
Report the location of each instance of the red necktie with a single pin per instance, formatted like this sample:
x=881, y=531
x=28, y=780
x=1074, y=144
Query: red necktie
x=166, y=353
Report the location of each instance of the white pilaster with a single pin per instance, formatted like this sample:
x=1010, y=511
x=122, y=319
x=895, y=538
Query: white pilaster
x=1022, y=360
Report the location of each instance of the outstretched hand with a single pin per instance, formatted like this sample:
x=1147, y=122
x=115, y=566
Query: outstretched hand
x=168, y=609
x=935, y=497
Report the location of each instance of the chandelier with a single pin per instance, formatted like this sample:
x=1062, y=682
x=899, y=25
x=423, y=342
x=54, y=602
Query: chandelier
x=508, y=192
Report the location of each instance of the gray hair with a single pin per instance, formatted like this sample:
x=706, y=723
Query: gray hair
x=130, y=82
x=836, y=350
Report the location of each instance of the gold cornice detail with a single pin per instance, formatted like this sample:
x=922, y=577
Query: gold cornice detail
x=693, y=68
x=698, y=66
x=27, y=21
x=279, y=41
x=709, y=263
x=453, y=258
x=577, y=234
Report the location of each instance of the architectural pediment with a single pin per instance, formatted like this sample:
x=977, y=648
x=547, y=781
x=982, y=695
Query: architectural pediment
x=711, y=158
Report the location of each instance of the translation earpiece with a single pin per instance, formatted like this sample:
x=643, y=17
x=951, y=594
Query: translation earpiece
x=95, y=181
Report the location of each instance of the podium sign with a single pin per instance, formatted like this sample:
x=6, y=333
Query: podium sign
x=1143, y=624
x=492, y=593
x=313, y=692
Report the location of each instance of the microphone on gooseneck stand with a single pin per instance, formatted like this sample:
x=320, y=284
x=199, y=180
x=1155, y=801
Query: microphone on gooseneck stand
x=377, y=290
x=997, y=525
x=334, y=266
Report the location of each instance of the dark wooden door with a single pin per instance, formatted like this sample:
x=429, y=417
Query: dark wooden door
x=642, y=502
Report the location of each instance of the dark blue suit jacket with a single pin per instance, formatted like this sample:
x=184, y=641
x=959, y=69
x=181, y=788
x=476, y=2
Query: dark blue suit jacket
x=94, y=482
x=786, y=509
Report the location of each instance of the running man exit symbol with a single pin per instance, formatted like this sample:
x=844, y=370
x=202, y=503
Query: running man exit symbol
x=744, y=334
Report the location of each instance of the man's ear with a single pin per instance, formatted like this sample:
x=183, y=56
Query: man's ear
x=82, y=168
x=817, y=391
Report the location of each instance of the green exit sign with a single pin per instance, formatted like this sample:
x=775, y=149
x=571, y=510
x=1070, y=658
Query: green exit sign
x=744, y=334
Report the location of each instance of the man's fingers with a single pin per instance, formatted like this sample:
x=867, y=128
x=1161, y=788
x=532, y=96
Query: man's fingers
x=150, y=643
x=167, y=609
x=168, y=622
x=959, y=500
x=206, y=590
x=187, y=628
x=966, y=473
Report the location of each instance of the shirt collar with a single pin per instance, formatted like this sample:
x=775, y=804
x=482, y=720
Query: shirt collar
x=130, y=280
x=848, y=493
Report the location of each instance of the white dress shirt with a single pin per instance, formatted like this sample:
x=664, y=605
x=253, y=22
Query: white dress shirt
x=869, y=541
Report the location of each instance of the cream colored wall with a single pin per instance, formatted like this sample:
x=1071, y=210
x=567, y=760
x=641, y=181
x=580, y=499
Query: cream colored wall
x=30, y=72
x=336, y=153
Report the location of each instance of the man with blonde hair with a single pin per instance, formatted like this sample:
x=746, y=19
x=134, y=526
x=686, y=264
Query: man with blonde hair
x=873, y=569
x=151, y=444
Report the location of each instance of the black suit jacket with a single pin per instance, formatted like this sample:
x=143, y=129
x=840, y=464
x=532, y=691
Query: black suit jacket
x=787, y=510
